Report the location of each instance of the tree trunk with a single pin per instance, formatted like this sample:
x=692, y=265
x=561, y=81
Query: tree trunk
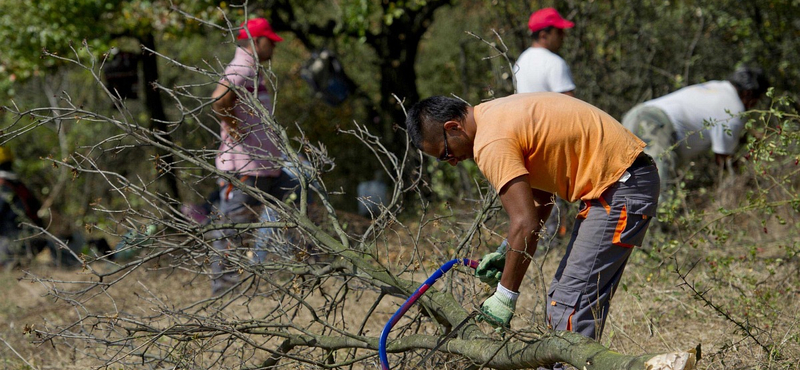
x=565, y=347
x=158, y=116
x=397, y=52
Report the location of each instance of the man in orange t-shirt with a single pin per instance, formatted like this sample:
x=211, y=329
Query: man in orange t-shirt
x=532, y=147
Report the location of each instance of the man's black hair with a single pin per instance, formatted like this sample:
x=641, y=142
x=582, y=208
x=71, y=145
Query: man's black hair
x=244, y=43
x=535, y=34
x=430, y=113
x=749, y=79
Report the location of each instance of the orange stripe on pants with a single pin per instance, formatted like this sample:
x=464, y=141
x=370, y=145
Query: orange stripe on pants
x=605, y=205
x=621, y=223
x=584, y=212
x=569, y=321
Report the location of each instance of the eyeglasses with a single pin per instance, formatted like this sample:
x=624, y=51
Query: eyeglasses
x=446, y=156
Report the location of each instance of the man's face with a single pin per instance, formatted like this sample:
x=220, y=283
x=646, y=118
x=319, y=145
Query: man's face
x=555, y=39
x=264, y=48
x=452, y=146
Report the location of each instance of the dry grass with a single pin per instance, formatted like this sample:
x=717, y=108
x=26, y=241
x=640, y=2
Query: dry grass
x=750, y=276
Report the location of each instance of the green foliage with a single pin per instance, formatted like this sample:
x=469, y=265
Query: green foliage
x=60, y=26
x=733, y=238
x=362, y=16
x=54, y=26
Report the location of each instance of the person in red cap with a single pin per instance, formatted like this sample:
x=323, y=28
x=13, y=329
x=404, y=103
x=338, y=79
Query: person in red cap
x=247, y=150
x=540, y=69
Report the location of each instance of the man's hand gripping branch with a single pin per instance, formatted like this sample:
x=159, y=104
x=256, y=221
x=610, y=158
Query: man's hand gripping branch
x=527, y=209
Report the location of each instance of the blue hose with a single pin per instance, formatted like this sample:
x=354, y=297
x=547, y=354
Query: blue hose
x=410, y=301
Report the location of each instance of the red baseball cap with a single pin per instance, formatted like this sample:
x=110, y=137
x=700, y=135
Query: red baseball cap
x=547, y=17
x=258, y=27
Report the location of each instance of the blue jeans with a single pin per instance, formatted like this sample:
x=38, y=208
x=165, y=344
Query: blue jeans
x=234, y=245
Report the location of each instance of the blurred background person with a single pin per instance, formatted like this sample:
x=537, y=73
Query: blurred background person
x=247, y=150
x=539, y=68
x=685, y=124
x=18, y=207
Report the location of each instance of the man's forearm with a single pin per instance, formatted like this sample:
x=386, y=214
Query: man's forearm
x=223, y=106
x=527, y=209
x=518, y=258
x=522, y=241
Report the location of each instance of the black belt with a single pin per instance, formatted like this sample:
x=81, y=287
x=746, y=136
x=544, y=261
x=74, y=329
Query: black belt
x=642, y=160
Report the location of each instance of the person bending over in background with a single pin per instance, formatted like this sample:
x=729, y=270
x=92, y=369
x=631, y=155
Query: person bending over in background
x=529, y=147
x=682, y=125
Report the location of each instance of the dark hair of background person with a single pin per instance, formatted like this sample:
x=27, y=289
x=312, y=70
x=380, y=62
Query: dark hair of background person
x=749, y=79
x=536, y=35
x=431, y=112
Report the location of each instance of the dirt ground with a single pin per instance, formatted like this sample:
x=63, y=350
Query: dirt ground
x=653, y=311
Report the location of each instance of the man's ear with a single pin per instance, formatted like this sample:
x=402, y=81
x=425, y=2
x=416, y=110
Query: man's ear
x=453, y=125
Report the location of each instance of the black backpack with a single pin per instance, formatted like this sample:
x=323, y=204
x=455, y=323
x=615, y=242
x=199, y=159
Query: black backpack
x=325, y=74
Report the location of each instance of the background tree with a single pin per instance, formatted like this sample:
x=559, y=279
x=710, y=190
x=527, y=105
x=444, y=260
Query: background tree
x=58, y=26
x=391, y=29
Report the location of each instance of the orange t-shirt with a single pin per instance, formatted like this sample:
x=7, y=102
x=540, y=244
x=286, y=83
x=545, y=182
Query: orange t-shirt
x=565, y=145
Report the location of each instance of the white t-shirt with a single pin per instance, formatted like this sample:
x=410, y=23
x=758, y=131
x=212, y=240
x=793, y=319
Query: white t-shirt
x=541, y=70
x=704, y=116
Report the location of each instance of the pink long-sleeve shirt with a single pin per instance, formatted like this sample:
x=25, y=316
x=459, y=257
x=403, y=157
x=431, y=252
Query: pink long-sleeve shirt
x=252, y=153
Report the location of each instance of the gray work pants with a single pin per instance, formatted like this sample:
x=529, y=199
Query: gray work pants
x=605, y=232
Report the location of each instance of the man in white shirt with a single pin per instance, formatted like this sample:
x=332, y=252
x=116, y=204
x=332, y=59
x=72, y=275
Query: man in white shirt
x=682, y=125
x=539, y=68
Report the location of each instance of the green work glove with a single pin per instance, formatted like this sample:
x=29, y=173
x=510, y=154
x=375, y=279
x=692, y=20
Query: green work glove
x=490, y=269
x=498, y=310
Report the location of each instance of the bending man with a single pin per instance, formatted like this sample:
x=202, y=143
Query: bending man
x=534, y=146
